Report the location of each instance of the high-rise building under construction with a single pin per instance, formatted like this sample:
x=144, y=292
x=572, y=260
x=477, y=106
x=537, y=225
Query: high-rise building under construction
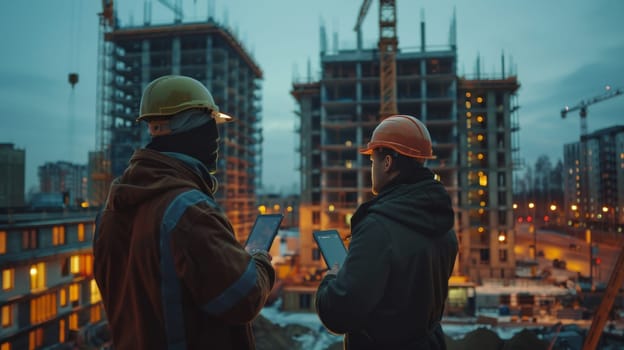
x=130, y=57
x=338, y=112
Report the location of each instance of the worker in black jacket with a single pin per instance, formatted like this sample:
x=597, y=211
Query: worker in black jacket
x=391, y=289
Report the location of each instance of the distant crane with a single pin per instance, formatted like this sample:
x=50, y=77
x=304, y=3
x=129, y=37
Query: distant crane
x=582, y=106
x=388, y=47
x=176, y=8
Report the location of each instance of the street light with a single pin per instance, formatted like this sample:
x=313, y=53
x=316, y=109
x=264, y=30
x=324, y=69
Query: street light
x=532, y=230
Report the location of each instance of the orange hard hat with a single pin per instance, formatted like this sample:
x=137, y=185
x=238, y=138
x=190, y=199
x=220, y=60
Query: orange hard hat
x=404, y=134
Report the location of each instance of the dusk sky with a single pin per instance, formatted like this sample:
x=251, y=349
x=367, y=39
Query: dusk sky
x=563, y=51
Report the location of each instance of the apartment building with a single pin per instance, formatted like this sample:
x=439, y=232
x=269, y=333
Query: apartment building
x=48, y=292
x=130, y=57
x=66, y=178
x=12, y=175
x=488, y=153
x=594, y=179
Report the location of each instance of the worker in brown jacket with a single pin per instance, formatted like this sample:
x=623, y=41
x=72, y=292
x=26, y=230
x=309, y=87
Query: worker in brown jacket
x=171, y=273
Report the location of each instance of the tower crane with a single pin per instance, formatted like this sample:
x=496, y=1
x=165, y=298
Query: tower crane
x=582, y=106
x=388, y=47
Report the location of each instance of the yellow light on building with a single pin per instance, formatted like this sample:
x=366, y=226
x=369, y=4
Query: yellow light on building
x=480, y=156
x=331, y=208
x=480, y=229
x=348, y=143
x=468, y=94
x=481, y=211
x=289, y=208
x=468, y=114
x=276, y=207
x=468, y=104
x=84, y=204
x=553, y=207
x=262, y=209
x=531, y=205
x=480, y=137
x=502, y=237
x=515, y=206
x=348, y=164
x=480, y=119
x=480, y=99
x=33, y=271
x=574, y=207
x=483, y=180
x=605, y=209
x=482, y=203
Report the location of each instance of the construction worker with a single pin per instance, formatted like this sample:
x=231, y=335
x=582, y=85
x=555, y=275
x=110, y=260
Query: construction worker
x=171, y=273
x=391, y=289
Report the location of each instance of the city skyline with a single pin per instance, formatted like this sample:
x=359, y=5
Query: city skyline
x=562, y=53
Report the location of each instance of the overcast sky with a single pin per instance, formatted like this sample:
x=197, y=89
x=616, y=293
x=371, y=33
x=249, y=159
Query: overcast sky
x=563, y=51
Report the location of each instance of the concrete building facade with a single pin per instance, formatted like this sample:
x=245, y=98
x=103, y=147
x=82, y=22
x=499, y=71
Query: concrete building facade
x=338, y=112
x=488, y=144
x=48, y=292
x=131, y=57
x=12, y=175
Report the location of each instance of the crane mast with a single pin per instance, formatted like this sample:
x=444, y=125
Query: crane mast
x=388, y=47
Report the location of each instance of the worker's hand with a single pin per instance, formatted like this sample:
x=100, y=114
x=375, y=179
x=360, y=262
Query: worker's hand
x=264, y=253
x=333, y=271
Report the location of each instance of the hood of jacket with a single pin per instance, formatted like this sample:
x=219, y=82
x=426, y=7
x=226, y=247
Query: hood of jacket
x=151, y=173
x=424, y=206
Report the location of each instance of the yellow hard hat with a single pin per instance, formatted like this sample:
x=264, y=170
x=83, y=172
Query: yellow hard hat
x=404, y=134
x=172, y=94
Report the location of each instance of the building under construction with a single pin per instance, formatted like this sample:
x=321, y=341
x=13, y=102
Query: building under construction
x=338, y=112
x=130, y=57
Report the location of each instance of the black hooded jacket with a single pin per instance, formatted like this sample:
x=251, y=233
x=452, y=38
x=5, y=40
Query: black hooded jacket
x=391, y=290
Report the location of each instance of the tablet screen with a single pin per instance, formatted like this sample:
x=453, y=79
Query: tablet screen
x=263, y=232
x=331, y=246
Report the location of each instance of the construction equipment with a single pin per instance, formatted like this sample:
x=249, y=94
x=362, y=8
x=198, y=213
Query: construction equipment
x=582, y=106
x=602, y=313
x=388, y=47
x=176, y=8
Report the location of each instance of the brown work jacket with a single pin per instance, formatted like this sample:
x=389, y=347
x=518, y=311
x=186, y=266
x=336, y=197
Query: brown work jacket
x=171, y=273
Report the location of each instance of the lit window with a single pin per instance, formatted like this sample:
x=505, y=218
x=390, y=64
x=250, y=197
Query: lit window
x=468, y=94
x=74, y=265
x=37, y=276
x=58, y=235
x=468, y=104
x=480, y=119
x=8, y=278
x=95, y=293
x=96, y=314
x=43, y=308
x=62, y=331
x=479, y=99
x=483, y=180
x=63, y=297
x=73, y=322
x=3, y=242
x=35, y=339
x=74, y=292
x=7, y=316
x=5, y=346
x=81, y=232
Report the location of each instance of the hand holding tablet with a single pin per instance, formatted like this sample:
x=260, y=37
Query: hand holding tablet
x=331, y=246
x=263, y=232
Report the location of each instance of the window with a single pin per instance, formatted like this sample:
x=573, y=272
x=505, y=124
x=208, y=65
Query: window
x=316, y=254
x=58, y=235
x=29, y=239
x=62, y=331
x=316, y=217
x=42, y=308
x=3, y=235
x=96, y=314
x=485, y=256
x=63, y=297
x=502, y=255
x=73, y=322
x=95, y=292
x=8, y=279
x=81, y=232
x=74, y=292
x=35, y=339
x=5, y=346
x=7, y=316
x=75, y=263
x=37, y=276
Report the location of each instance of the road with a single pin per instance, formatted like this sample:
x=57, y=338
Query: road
x=573, y=251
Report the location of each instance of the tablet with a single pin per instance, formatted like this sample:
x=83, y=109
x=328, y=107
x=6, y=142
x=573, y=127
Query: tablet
x=263, y=232
x=331, y=246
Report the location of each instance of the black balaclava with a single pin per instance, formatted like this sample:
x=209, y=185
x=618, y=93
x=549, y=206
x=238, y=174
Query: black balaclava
x=201, y=143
